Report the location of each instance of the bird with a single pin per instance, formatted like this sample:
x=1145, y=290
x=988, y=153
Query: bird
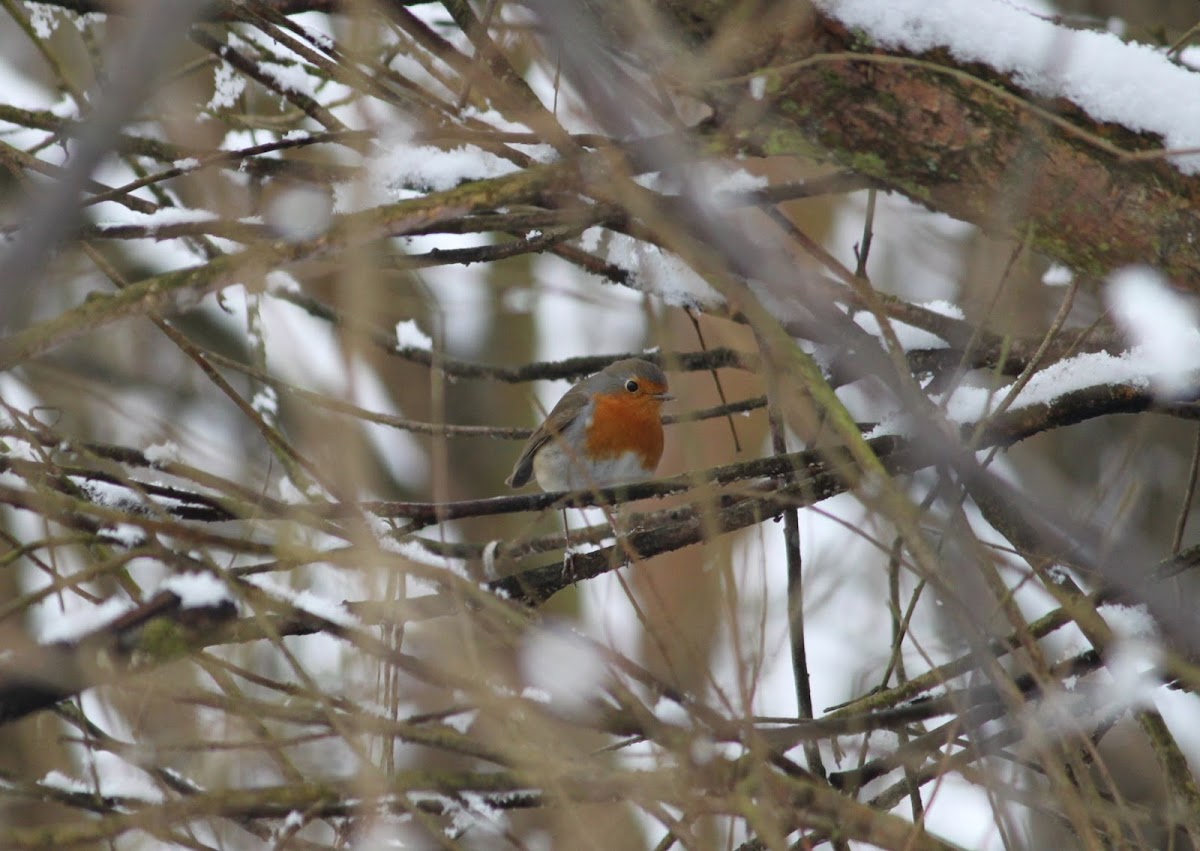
x=606, y=430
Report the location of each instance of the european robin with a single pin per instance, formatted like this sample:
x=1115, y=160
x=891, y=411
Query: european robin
x=605, y=430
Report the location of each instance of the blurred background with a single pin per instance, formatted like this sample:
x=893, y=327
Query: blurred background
x=329, y=380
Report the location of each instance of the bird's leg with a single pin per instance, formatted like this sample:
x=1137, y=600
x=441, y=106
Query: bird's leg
x=568, y=553
x=616, y=519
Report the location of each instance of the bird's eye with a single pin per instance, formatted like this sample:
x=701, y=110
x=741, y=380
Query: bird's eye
x=631, y=386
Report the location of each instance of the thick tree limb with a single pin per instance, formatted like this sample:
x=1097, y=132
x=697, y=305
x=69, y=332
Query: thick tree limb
x=967, y=141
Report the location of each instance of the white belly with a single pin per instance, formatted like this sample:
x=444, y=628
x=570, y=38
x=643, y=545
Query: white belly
x=556, y=470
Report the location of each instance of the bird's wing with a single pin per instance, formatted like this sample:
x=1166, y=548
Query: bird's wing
x=558, y=421
x=523, y=469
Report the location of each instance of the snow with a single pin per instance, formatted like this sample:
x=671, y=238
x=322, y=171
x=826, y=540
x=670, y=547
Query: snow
x=166, y=452
x=410, y=336
x=1130, y=680
x=21, y=450
x=589, y=240
x=672, y=712
x=86, y=21
x=126, y=535
x=574, y=315
x=471, y=812
x=729, y=180
x=279, y=281
x=717, y=178
x=116, y=778
x=43, y=19
x=289, y=78
x=1130, y=622
x=317, y=27
x=110, y=495
x=81, y=618
x=57, y=780
x=460, y=721
x=1131, y=84
x=1160, y=322
x=228, y=86
x=1057, y=276
x=160, y=255
x=410, y=548
x=161, y=216
x=197, y=590
x=399, y=167
x=307, y=601
x=912, y=338
x=536, y=695
x=1133, y=665
x=662, y=273
x=266, y=402
x=1135, y=368
x=438, y=170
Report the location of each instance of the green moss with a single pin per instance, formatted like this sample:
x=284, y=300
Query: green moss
x=163, y=640
x=860, y=40
x=1073, y=253
x=786, y=139
x=867, y=162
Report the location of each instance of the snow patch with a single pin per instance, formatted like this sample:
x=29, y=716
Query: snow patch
x=1131, y=84
x=166, y=452
x=1093, y=369
x=910, y=337
x=662, y=273
x=289, y=78
x=1057, y=276
x=228, y=86
x=410, y=336
x=82, y=619
x=197, y=590
x=1159, y=322
x=307, y=601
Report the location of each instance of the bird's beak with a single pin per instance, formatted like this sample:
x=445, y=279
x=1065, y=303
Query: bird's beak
x=663, y=397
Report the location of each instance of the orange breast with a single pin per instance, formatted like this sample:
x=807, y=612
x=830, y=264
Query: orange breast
x=623, y=424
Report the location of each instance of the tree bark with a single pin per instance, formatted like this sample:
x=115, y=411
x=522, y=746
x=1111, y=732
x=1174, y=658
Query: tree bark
x=964, y=140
